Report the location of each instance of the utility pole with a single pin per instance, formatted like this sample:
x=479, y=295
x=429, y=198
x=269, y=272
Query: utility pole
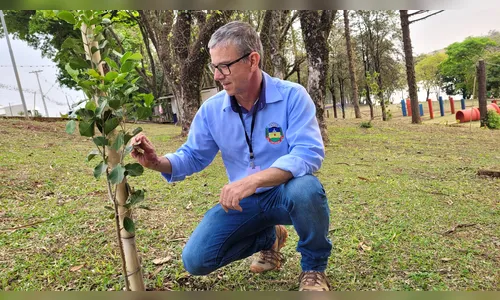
x=40, y=86
x=13, y=64
x=34, y=104
x=67, y=101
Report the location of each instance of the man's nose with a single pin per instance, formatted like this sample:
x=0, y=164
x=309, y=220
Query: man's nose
x=218, y=75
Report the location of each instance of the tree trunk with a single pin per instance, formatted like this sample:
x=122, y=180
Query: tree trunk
x=352, y=73
x=428, y=93
x=481, y=88
x=131, y=267
x=342, y=97
x=380, y=96
x=315, y=30
x=410, y=68
x=334, y=97
x=369, y=101
x=265, y=38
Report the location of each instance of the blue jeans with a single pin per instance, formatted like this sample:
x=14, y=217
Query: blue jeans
x=222, y=238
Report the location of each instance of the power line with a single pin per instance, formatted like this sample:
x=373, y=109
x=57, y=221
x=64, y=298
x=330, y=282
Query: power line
x=30, y=66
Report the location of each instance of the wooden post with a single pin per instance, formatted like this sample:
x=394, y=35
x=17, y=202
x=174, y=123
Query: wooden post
x=481, y=84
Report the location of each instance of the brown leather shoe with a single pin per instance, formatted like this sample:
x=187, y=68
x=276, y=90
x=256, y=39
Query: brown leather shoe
x=313, y=281
x=271, y=259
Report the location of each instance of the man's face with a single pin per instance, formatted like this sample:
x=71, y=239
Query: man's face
x=236, y=82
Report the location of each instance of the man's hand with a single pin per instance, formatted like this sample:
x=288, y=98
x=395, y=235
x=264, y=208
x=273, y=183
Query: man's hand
x=143, y=151
x=231, y=194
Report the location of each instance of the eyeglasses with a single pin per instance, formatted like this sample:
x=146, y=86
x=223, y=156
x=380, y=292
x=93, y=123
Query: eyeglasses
x=224, y=68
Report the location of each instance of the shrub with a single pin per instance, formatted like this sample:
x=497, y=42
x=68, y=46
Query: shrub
x=492, y=120
x=366, y=124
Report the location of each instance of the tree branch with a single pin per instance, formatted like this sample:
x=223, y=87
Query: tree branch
x=418, y=12
x=411, y=22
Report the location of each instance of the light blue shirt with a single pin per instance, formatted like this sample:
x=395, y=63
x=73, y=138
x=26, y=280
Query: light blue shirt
x=286, y=134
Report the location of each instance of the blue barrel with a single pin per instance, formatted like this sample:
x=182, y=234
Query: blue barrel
x=463, y=103
x=441, y=106
x=421, y=109
x=403, y=107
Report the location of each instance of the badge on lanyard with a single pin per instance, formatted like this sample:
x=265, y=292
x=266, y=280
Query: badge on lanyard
x=252, y=169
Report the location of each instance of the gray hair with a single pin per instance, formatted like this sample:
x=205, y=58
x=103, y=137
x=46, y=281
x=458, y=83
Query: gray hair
x=240, y=34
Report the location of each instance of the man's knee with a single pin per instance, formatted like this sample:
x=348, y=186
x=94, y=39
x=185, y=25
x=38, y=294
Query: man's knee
x=194, y=263
x=305, y=188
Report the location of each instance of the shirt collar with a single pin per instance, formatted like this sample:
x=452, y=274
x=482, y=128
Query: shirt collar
x=268, y=94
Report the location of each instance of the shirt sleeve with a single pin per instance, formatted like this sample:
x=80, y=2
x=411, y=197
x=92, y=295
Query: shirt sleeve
x=196, y=153
x=306, y=150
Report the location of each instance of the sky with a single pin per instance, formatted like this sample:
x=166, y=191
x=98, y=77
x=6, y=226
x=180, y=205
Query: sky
x=427, y=35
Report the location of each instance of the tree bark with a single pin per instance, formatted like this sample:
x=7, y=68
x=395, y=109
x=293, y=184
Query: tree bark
x=342, y=97
x=352, y=73
x=315, y=30
x=481, y=88
x=410, y=68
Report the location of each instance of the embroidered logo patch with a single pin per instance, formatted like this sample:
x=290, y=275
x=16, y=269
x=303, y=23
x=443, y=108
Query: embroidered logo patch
x=274, y=133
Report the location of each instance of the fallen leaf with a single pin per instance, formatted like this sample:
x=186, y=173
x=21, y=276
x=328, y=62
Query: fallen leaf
x=160, y=261
x=76, y=268
x=363, y=178
x=446, y=259
x=158, y=270
x=362, y=246
x=189, y=206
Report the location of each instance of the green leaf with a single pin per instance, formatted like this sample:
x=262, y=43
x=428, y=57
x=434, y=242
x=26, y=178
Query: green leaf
x=87, y=84
x=101, y=107
x=109, y=208
x=129, y=225
x=71, y=72
x=121, y=78
x=114, y=104
x=88, y=14
x=106, y=21
x=131, y=90
x=99, y=169
x=111, y=63
x=86, y=128
x=67, y=16
x=125, y=57
x=127, y=151
x=100, y=141
x=134, y=169
x=94, y=74
x=110, y=125
x=143, y=113
x=134, y=198
x=71, y=126
x=135, y=56
x=137, y=130
x=110, y=76
x=91, y=105
x=118, y=142
x=117, y=174
x=92, y=154
x=148, y=99
x=78, y=63
x=127, y=66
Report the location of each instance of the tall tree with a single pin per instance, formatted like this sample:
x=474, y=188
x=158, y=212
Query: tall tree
x=427, y=72
x=410, y=67
x=316, y=26
x=180, y=39
x=458, y=69
x=352, y=73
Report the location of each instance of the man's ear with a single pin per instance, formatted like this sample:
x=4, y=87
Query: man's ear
x=254, y=59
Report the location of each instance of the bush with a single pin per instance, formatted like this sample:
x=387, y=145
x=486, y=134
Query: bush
x=366, y=124
x=492, y=120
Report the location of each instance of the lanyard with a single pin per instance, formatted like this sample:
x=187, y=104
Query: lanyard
x=249, y=139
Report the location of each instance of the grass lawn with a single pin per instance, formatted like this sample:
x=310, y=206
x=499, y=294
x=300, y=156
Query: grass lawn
x=408, y=212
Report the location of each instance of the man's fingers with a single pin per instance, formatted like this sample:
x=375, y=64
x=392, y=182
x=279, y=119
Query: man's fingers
x=224, y=208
